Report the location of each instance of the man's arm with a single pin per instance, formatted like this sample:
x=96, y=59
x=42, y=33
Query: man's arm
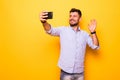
x=92, y=27
x=95, y=39
x=44, y=22
x=47, y=27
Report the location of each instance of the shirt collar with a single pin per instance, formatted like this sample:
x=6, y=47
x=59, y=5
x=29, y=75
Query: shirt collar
x=78, y=29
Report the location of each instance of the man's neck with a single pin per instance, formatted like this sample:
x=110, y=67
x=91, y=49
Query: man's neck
x=75, y=28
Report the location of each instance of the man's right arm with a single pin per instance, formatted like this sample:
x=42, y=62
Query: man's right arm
x=47, y=27
x=44, y=22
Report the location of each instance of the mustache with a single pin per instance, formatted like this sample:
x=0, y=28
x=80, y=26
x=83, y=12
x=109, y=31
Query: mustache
x=72, y=20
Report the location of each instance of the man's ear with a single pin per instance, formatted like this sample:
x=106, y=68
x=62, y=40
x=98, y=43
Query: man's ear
x=80, y=19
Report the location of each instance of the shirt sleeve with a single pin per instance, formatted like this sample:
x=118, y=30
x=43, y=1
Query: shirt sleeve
x=90, y=43
x=54, y=31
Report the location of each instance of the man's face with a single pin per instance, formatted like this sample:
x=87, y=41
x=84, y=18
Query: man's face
x=74, y=19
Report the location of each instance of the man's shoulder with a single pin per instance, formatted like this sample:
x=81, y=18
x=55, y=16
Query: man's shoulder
x=84, y=32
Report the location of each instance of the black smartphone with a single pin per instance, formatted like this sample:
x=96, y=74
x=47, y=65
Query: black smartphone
x=50, y=15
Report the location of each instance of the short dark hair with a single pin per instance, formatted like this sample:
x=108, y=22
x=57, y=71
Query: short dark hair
x=76, y=10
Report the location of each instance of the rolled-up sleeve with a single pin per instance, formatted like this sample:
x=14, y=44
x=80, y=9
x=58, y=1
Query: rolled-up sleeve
x=54, y=31
x=91, y=44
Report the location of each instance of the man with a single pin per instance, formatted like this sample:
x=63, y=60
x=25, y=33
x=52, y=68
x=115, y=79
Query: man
x=73, y=43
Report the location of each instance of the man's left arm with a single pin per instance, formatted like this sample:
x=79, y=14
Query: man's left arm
x=95, y=39
x=92, y=27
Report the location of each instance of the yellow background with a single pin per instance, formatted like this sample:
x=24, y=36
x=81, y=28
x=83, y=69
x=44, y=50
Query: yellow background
x=28, y=53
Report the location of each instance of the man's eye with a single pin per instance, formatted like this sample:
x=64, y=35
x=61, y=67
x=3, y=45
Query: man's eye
x=75, y=16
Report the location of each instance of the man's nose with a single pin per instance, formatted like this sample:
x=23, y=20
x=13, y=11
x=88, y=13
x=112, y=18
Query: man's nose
x=71, y=17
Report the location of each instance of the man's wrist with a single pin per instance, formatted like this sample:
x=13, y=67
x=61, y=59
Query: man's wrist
x=94, y=32
x=43, y=21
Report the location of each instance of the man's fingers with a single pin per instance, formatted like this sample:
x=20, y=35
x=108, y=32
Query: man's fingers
x=93, y=22
x=43, y=16
x=44, y=13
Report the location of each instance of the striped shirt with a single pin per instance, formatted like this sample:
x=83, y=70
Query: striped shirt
x=73, y=45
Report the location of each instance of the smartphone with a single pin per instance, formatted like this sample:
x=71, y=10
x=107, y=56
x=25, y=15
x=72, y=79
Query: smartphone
x=50, y=15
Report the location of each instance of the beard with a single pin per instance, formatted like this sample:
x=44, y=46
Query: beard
x=73, y=24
